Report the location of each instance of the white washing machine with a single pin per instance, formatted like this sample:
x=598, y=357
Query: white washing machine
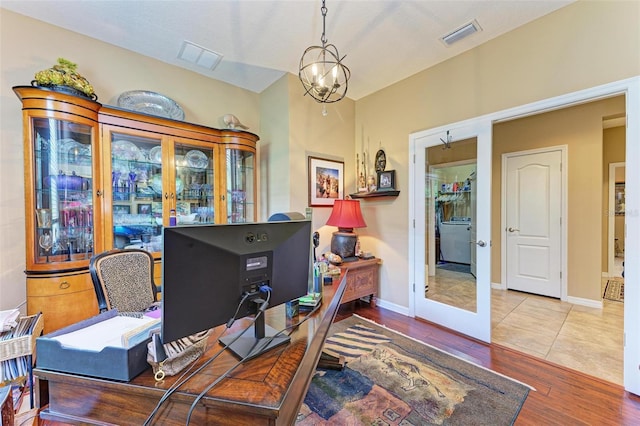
x=455, y=237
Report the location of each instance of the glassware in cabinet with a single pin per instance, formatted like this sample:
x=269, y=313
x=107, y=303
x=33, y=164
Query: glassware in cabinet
x=194, y=184
x=240, y=185
x=136, y=191
x=63, y=182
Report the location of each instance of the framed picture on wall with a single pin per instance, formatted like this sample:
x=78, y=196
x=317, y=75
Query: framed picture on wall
x=326, y=181
x=387, y=180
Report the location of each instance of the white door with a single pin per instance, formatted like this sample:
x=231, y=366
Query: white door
x=533, y=199
x=469, y=141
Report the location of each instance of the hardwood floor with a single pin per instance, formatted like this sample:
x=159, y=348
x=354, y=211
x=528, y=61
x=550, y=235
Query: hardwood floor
x=562, y=396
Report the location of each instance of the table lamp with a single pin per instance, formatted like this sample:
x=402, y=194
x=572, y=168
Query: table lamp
x=346, y=215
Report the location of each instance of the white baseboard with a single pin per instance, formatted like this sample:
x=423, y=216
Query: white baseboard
x=393, y=307
x=498, y=286
x=590, y=303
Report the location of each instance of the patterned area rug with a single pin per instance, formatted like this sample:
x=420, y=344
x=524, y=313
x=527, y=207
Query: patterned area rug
x=614, y=290
x=392, y=379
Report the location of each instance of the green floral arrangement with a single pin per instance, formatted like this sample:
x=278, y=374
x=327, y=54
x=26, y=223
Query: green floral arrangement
x=65, y=74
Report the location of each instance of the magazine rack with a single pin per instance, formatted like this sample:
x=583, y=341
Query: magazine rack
x=23, y=346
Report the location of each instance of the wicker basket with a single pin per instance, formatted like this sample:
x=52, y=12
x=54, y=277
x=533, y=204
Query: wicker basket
x=21, y=346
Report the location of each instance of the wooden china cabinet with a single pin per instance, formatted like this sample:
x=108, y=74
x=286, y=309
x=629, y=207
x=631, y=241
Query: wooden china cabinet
x=99, y=177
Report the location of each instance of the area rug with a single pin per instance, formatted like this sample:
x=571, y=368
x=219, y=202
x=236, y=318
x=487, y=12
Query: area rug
x=392, y=379
x=455, y=267
x=614, y=290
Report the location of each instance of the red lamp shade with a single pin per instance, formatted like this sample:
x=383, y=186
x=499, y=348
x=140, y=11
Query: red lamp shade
x=346, y=215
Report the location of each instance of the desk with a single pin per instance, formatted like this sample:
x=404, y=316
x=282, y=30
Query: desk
x=267, y=390
x=362, y=279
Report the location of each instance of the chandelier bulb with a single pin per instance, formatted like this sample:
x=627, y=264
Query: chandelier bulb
x=324, y=110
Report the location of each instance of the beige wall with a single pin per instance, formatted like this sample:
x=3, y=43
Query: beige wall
x=294, y=128
x=568, y=50
x=571, y=49
x=580, y=129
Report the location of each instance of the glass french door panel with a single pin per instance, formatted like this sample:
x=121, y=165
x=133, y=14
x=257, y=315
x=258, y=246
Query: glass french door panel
x=466, y=313
x=194, y=186
x=449, y=243
x=137, y=192
x=240, y=190
x=63, y=191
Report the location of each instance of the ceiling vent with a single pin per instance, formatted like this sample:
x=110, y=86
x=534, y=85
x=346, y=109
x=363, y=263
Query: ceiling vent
x=199, y=56
x=462, y=32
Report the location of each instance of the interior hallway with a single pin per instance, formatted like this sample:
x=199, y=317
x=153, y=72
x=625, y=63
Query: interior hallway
x=589, y=340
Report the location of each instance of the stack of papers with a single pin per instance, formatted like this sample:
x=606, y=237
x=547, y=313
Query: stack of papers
x=119, y=332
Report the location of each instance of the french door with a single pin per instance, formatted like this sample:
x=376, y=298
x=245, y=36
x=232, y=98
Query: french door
x=450, y=246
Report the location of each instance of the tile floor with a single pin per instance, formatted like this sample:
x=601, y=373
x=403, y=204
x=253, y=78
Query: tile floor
x=585, y=339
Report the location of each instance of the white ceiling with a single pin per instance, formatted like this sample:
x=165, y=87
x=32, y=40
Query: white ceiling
x=384, y=41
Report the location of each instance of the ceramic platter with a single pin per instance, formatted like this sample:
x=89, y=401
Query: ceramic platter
x=197, y=159
x=150, y=103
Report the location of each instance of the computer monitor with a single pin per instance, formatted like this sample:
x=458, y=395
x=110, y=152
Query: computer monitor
x=207, y=270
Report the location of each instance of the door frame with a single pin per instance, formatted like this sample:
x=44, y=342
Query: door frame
x=563, y=211
x=629, y=87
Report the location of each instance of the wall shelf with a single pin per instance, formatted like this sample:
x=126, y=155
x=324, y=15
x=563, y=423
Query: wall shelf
x=375, y=194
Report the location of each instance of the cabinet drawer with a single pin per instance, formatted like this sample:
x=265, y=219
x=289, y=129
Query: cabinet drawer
x=361, y=282
x=62, y=299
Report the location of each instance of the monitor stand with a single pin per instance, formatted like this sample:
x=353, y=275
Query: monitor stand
x=254, y=341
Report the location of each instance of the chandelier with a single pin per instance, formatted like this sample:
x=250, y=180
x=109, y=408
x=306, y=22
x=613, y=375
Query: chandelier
x=322, y=72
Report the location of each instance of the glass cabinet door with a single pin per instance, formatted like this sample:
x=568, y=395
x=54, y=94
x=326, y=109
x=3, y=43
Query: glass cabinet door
x=194, y=184
x=136, y=191
x=240, y=186
x=63, y=173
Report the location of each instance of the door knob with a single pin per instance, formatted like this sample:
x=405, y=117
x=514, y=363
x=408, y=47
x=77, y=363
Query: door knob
x=481, y=243
x=513, y=229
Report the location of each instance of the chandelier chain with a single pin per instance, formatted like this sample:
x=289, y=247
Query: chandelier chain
x=324, y=10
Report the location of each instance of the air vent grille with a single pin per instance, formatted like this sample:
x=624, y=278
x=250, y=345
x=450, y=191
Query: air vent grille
x=462, y=32
x=199, y=56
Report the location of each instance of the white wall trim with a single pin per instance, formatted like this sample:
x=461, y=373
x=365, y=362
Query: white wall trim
x=393, y=307
x=589, y=303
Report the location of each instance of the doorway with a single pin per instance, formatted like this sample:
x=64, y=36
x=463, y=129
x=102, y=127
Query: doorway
x=630, y=88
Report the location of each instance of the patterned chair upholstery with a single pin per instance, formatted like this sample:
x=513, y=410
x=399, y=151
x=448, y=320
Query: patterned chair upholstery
x=123, y=280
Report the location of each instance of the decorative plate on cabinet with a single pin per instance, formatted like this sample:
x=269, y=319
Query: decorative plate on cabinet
x=151, y=103
x=197, y=159
x=125, y=150
x=155, y=155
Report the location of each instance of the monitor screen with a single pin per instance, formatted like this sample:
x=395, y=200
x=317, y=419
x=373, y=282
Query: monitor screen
x=208, y=269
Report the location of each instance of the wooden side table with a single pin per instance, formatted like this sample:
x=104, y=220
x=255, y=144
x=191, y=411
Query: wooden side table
x=362, y=280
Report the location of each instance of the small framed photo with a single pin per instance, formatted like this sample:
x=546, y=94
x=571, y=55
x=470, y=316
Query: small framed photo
x=119, y=209
x=144, y=208
x=387, y=180
x=326, y=181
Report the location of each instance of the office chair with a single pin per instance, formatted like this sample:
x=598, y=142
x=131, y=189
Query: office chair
x=123, y=280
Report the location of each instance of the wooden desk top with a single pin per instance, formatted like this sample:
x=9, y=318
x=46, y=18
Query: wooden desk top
x=268, y=389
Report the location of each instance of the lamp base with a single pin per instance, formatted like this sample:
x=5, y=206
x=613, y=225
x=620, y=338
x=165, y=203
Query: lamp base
x=343, y=243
